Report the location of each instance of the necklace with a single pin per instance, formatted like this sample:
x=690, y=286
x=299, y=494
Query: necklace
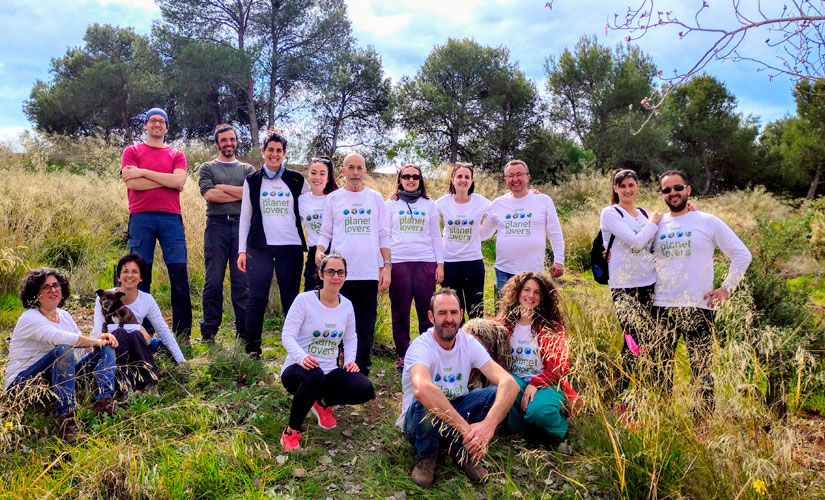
x=51, y=316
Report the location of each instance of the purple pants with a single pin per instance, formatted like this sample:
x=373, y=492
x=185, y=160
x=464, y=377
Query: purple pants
x=410, y=281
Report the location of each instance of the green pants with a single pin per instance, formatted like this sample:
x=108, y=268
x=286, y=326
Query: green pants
x=546, y=411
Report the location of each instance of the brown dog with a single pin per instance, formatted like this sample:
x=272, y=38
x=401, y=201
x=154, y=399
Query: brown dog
x=113, y=308
x=494, y=337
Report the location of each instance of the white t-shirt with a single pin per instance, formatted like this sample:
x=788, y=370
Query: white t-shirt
x=631, y=262
x=414, y=232
x=277, y=213
x=358, y=226
x=683, y=252
x=449, y=369
x=312, y=328
x=462, y=226
x=34, y=336
x=311, y=209
x=144, y=306
x=524, y=225
x=527, y=361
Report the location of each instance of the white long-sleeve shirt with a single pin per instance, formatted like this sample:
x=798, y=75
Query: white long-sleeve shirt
x=277, y=213
x=311, y=209
x=631, y=262
x=311, y=328
x=462, y=226
x=415, y=235
x=358, y=226
x=683, y=252
x=34, y=336
x=144, y=306
x=524, y=225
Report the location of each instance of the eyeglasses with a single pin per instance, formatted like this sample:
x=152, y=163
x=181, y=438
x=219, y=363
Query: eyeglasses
x=517, y=175
x=45, y=287
x=160, y=121
x=678, y=188
x=325, y=161
x=332, y=272
x=407, y=177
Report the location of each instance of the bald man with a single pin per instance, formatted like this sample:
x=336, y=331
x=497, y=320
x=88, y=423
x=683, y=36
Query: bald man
x=356, y=223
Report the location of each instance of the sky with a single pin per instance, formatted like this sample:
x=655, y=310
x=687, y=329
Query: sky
x=404, y=33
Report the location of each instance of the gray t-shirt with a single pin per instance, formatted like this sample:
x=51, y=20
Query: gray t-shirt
x=218, y=172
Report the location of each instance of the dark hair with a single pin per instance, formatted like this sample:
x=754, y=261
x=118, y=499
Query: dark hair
x=323, y=265
x=131, y=257
x=33, y=280
x=456, y=166
x=547, y=314
x=674, y=172
x=325, y=160
x=274, y=136
x=224, y=127
x=445, y=290
x=619, y=176
x=420, y=182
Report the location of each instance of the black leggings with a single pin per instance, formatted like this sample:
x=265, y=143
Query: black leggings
x=338, y=387
x=467, y=279
x=633, y=309
x=135, y=362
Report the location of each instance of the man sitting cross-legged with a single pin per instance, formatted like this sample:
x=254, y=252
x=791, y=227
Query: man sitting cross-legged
x=437, y=410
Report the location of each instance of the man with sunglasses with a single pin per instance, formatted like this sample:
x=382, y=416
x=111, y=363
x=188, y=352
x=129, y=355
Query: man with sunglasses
x=684, y=295
x=525, y=220
x=221, y=185
x=155, y=174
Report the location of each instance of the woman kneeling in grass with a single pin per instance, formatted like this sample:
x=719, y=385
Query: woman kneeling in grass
x=314, y=327
x=531, y=312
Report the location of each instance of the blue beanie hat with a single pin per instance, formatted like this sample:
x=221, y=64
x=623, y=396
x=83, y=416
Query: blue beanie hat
x=155, y=111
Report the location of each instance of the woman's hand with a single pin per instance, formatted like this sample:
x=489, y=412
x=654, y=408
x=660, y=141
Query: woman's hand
x=393, y=196
x=439, y=273
x=656, y=217
x=107, y=339
x=576, y=406
x=352, y=367
x=319, y=256
x=242, y=262
x=529, y=393
x=309, y=363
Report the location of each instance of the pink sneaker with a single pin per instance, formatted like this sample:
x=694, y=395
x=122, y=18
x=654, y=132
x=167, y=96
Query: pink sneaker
x=291, y=440
x=325, y=417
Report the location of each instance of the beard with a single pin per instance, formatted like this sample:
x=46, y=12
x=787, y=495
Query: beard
x=446, y=331
x=228, y=151
x=677, y=207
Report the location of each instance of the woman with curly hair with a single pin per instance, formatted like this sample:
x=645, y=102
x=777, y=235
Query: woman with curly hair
x=531, y=312
x=42, y=345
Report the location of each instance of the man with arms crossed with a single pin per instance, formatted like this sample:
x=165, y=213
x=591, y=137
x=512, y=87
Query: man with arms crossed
x=684, y=298
x=524, y=219
x=356, y=223
x=436, y=369
x=221, y=184
x=155, y=174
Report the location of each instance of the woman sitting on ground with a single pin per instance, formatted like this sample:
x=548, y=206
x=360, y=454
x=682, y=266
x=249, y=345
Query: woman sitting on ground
x=314, y=327
x=42, y=345
x=531, y=312
x=135, y=361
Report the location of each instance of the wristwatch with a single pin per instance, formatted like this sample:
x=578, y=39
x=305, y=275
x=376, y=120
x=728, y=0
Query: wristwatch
x=388, y=263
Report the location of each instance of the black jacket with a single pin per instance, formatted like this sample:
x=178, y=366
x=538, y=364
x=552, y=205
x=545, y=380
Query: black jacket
x=295, y=182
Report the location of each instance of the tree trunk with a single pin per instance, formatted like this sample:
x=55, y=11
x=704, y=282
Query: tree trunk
x=815, y=183
x=250, y=108
x=453, y=147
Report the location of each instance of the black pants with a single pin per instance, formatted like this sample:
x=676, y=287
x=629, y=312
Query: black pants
x=311, y=280
x=696, y=325
x=633, y=309
x=220, y=247
x=467, y=279
x=364, y=297
x=286, y=261
x=135, y=362
x=338, y=387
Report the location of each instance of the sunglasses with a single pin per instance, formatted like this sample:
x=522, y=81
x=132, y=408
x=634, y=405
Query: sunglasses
x=407, y=177
x=332, y=272
x=678, y=188
x=47, y=287
x=325, y=161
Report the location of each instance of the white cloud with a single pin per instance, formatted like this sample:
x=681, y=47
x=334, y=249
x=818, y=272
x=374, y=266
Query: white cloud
x=9, y=136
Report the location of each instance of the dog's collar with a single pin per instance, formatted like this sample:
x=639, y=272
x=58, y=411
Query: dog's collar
x=112, y=313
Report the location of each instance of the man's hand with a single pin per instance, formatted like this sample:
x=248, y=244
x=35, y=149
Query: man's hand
x=527, y=397
x=308, y=363
x=478, y=437
x=384, y=277
x=242, y=262
x=556, y=270
x=439, y=273
x=319, y=255
x=716, y=297
x=131, y=172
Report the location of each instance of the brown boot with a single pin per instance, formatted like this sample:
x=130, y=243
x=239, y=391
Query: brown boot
x=106, y=405
x=424, y=472
x=474, y=470
x=68, y=428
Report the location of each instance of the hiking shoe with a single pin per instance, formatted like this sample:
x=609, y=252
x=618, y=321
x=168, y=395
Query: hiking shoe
x=399, y=365
x=208, y=338
x=424, y=472
x=291, y=440
x=106, y=405
x=68, y=428
x=325, y=417
x=155, y=344
x=474, y=470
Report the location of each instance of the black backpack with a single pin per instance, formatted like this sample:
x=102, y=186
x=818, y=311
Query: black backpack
x=598, y=254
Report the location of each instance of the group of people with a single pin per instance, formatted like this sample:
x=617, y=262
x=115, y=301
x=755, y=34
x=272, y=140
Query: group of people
x=349, y=244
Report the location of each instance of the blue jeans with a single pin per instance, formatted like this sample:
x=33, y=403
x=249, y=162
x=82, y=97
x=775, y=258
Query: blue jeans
x=167, y=228
x=421, y=428
x=502, y=278
x=220, y=247
x=60, y=369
